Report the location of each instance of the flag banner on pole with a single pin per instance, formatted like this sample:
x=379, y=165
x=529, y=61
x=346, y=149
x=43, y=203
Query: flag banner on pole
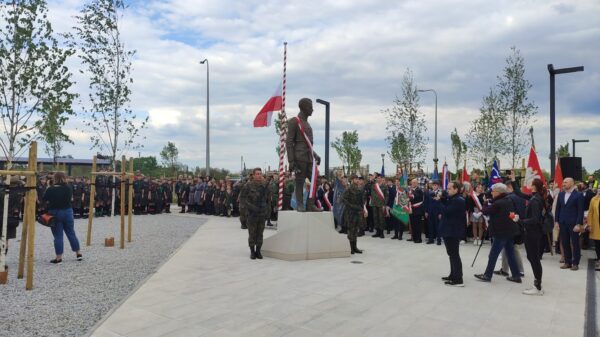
x=266, y=113
x=445, y=177
x=495, y=175
x=558, y=176
x=533, y=171
x=465, y=175
x=435, y=175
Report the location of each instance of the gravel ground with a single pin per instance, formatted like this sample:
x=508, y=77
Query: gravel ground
x=68, y=299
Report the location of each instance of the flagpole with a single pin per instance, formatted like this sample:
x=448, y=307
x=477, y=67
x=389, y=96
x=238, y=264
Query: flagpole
x=283, y=132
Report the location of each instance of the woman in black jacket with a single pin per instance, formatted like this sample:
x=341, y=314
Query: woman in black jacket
x=59, y=198
x=534, y=215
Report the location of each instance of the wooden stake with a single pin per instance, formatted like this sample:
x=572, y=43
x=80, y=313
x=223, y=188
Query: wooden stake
x=31, y=199
x=88, y=240
x=122, y=212
x=130, y=213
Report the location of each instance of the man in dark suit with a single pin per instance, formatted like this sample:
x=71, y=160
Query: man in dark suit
x=568, y=218
x=417, y=217
x=452, y=229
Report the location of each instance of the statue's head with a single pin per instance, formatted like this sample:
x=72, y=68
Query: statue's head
x=305, y=105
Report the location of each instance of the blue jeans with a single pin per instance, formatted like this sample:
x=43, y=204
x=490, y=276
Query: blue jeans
x=64, y=222
x=497, y=245
x=570, y=242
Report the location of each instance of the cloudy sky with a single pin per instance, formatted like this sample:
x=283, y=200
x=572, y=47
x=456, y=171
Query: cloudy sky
x=353, y=54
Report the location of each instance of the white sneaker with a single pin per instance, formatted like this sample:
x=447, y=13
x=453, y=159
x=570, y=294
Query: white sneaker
x=462, y=242
x=533, y=291
x=476, y=242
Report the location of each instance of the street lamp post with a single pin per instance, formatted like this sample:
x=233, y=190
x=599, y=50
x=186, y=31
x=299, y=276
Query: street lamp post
x=207, y=118
x=554, y=72
x=382, y=162
x=578, y=141
x=435, y=157
x=327, y=115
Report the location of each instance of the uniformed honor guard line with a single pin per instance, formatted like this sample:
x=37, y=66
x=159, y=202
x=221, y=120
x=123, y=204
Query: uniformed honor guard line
x=109, y=241
x=27, y=244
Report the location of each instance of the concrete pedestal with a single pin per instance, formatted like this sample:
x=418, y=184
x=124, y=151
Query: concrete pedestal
x=305, y=236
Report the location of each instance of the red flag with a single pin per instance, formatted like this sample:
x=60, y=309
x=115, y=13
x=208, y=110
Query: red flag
x=558, y=177
x=533, y=171
x=465, y=174
x=273, y=104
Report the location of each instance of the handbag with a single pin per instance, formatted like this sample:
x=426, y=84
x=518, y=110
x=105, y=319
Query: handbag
x=47, y=220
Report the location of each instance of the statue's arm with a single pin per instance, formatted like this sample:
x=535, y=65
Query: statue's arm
x=289, y=141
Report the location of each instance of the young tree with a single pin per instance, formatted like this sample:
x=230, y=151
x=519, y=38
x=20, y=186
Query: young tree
x=563, y=151
x=405, y=119
x=347, y=149
x=113, y=124
x=169, y=155
x=459, y=149
x=399, y=151
x=513, y=100
x=485, y=137
x=52, y=133
x=34, y=78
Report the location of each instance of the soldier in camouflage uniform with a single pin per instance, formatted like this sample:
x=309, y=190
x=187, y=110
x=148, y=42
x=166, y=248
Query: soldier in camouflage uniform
x=138, y=190
x=257, y=197
x=379, y=195
x=78, y=191
x=353, y=211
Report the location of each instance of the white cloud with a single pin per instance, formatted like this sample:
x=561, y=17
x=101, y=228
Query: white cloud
x=352, y=54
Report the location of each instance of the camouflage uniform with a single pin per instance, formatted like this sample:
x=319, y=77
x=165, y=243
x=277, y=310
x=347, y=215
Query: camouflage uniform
x=257, y=202
x=353, y=210
x=242, y=205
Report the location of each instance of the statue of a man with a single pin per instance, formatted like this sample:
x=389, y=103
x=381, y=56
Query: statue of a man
x=300, y=157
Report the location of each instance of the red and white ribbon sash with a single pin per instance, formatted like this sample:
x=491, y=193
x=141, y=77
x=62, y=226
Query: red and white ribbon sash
x=327, y=202
x=379, y=192
x=315, y=169
x=476, y=200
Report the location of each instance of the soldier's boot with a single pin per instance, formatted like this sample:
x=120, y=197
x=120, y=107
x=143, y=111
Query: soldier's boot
x=376, y=235
x=252, y=253
x=258, y=254
x=244, y=224
x=300, y=197
x=182, y=209
x=344, y=230
x=168, y=209
x=354, y=249
x=311, y=206
x=395, y=237
x=381, y=235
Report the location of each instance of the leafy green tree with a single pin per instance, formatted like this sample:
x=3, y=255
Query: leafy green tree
x=108, y=63
x=169, y=156
x=52, y=133
x=34, y=79
x=563, y=151
x=399, y=151
x=513, y=101
x=405, y=119
x=459, y=149
x=485, y=137
x=347, y=149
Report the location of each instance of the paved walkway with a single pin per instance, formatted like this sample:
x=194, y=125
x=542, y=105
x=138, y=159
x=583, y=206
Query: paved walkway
x=211, y=288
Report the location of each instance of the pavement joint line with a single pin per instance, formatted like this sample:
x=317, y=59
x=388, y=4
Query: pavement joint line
x=591, y=324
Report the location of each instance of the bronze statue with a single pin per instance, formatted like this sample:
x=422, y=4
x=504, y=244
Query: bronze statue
x=299, y=155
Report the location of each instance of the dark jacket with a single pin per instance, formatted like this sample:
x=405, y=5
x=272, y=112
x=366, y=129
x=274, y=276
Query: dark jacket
x=533, y=215
x=391, y=196
x=501, y=225
x=519, y=202
x=417, y=202
x=569, y=214
x=453, y=217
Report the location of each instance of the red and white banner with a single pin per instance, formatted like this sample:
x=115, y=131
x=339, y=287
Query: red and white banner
x=379, y=192
x=558, y=176
x=327, y=202
x=266, y=113
x=532, y=172
x=476, y=200
x=465, y=175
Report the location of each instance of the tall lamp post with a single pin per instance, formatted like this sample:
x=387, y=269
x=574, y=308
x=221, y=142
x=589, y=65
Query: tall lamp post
x=327, y=115
x=554, y=72
x=382, y=162
x=207, y=118
x=435, y=157
x=578, y=141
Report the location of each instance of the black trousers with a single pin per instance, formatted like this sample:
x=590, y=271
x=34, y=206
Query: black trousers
x=416, y=223
x=532, y=247
x=597, y=246
x=452, y=245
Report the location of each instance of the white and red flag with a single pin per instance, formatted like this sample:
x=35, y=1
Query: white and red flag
x=533, y=171
x=266, y=113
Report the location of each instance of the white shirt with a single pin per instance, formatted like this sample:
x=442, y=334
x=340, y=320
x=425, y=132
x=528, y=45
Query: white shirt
x=568, y=195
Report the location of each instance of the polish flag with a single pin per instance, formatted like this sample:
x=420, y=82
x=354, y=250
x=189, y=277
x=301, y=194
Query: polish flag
x=533, y=171
x=273, y=104
x=465, y=174
x=558, y=176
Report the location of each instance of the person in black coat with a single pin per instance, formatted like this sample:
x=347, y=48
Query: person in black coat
x=452, y=229
x=532, y=221
x=503, y=230
x=417, y=217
